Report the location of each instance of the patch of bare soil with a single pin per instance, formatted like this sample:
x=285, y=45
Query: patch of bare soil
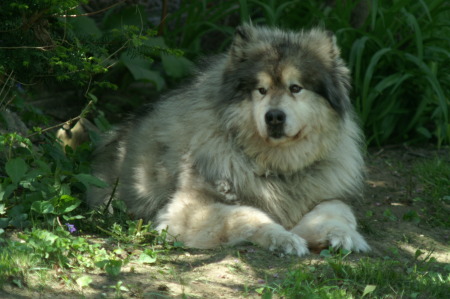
x=237, y=272
x=392, y=214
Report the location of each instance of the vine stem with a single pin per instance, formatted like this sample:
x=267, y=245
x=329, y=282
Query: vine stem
x=91, y=13
x=82, y=114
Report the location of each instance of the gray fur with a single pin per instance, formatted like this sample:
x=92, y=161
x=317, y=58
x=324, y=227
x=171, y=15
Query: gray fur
x=204, y=163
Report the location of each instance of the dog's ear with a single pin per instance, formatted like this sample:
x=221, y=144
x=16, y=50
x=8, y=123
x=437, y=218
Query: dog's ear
x=243, y=36
x=336, y=82
x=335, y=88
x=335, y=52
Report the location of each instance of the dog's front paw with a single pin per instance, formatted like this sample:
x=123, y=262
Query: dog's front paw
x=275, y=237
x=289, y=243
x=347, y=239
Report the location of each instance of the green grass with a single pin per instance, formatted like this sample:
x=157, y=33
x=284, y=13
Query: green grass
x=434, y=175
x=29, y=256
x=371, y=277
x=15, y=265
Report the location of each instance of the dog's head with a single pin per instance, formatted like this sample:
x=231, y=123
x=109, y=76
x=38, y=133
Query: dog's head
x=285, y=97
x=290, y=87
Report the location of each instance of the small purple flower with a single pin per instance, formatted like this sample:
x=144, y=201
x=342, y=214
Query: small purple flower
x=71, y=228
x=20, y=88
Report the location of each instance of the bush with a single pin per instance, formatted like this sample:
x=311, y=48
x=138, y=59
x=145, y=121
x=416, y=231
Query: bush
x=49, y=41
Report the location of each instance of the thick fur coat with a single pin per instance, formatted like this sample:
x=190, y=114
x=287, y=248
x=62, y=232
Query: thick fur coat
x=261, y=147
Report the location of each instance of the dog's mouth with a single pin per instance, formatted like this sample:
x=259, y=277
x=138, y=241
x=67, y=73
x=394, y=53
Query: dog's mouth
x=275, y=120
x=277, y=134
x=300, y=134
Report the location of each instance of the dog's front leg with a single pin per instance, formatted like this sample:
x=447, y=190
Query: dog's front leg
x=204, y=224
x=331, y=223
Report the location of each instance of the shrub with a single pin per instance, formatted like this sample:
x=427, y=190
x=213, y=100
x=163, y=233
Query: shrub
x=49, y=41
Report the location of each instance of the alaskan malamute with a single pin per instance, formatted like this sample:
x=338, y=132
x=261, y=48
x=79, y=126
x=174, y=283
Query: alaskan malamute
x=261, y=147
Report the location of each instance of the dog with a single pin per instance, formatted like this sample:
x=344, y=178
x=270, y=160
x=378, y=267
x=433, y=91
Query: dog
x=261, y=147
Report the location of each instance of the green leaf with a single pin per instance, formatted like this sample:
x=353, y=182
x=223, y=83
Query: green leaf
x=178, y=244
x=113, y=267
x=84, y=281
x=4, y=222
x=85, y=25
x=144, y=258
x=68, y=203
x=5, y=192
x=90, y=180
x=16, y=169
x=369, y=289
x=418, y=253
x=176, y=66
x=127, y=15
x=141, y=70
x=101, y=264
x=156, y=41
x=45, y=236
x=326, y=253
x=370, y=72
x=17, y=216
x=411, y=19
x=119, y=205
x=424, y=132
x=70, y=218
x=42, y=207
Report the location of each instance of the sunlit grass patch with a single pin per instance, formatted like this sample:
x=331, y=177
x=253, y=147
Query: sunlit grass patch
x=434, y=175
x=15, y=265
x=372, y=277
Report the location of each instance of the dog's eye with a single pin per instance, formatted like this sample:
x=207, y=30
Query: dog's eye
x=295, y=88
x=262, y=90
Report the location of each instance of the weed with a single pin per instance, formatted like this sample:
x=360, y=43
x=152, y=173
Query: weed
x=434, y=175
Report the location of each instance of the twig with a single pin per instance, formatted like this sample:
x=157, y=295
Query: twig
x=115, y=52
x=9, y=102
x=42, y=48
x=112, y=196
x=163, y=18
x=59, y=222
x=82, y=114
x=378, y=152
x=105, y=231
x=55, y=126
x=3, y=88
x=20, y=82
x=88, y=87
x=139, y=226
x=90, y=13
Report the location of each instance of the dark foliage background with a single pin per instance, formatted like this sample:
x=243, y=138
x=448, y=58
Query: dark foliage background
x=73, y=50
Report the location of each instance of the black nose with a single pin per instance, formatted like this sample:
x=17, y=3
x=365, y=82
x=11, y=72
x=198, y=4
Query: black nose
x=275, y=117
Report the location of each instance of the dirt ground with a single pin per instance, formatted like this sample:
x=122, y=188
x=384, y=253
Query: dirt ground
x=237, y=272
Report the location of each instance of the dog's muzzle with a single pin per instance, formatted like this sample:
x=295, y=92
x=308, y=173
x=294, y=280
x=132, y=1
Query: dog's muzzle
x=275, y=120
